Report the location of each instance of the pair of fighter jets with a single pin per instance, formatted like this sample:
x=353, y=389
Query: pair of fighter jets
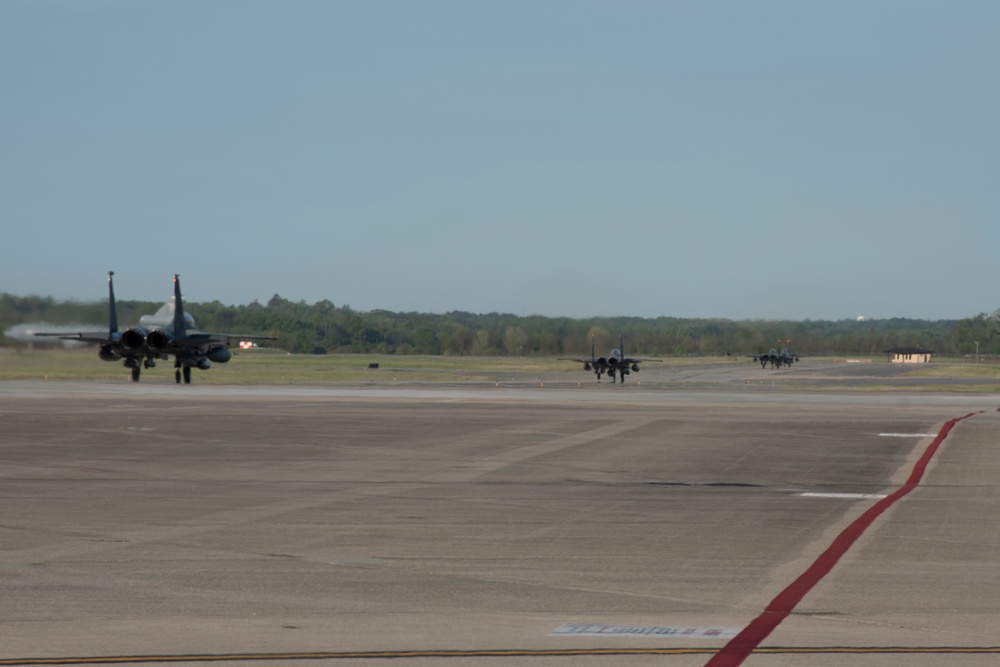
x=160, y=336
x=616, y=363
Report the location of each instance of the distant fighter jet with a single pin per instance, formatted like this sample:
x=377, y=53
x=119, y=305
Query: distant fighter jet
x=775, y=357
x=616, y=363
x=161, y=336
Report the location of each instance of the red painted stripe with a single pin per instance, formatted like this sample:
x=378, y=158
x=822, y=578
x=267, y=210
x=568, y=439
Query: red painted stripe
x=742, y=645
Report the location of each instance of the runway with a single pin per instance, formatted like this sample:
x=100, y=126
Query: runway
x=491, y=525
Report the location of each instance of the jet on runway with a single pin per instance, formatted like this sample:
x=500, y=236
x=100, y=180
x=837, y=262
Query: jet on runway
x=160, y=336
x=616, y=363
x=775, y=357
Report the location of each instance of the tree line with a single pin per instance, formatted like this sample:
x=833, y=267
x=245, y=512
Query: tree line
x=323, y=327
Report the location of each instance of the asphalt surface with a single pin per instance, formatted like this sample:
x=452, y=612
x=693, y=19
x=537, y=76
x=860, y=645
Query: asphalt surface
x=544, y=524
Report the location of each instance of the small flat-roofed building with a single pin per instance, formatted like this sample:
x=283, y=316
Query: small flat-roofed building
x=909, y=355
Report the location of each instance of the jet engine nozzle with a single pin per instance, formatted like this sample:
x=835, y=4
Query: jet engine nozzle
x=133, y=339
x=157, y=340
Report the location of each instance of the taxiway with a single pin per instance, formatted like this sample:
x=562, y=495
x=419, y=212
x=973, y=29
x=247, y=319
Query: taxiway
x=279, y=523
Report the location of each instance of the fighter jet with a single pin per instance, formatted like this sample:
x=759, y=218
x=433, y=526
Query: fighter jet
x=112, y=348
x=170, y=332
x=775, y=357
x=787, y=357
x=162, y=336
x=616, y=363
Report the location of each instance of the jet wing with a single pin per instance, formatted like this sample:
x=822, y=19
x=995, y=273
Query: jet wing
x=202, y=339
x=199, y=340
x=85, y=336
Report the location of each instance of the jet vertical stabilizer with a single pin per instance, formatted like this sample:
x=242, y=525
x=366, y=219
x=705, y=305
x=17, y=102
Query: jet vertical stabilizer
x=112, y=308
x=180, y=325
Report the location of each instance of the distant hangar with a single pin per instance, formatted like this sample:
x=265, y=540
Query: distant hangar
x=908, y=355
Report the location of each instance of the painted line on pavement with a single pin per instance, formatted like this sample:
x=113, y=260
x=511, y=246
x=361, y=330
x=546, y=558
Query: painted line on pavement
x=740, y=647
x=495, y=653
x=601, y=630
x=852, y=496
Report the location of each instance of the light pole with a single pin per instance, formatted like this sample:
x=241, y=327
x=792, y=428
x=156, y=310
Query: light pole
x=977, y=351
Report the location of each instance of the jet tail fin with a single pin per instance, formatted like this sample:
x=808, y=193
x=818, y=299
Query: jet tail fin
x=180, y=326
x=112, y=308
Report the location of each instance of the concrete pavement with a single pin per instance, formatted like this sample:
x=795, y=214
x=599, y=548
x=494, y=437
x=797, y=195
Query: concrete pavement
x=143, y=521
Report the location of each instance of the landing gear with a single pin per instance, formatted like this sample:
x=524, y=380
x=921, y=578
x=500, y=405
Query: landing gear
x=132, y=364
x=187, y=375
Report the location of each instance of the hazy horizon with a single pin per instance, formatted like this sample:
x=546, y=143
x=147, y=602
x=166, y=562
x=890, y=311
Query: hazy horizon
x=264, y=302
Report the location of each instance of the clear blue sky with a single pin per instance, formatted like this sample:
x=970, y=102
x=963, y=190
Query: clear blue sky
x=761, y=160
